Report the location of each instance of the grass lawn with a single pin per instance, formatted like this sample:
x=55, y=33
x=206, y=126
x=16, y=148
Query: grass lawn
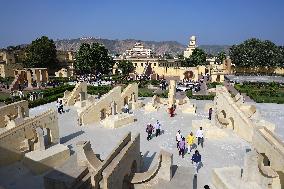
x=263, y=92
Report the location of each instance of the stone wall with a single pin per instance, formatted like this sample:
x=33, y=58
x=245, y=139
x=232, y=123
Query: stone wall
x=98, y=110
x=18, y=140
x=12, y=111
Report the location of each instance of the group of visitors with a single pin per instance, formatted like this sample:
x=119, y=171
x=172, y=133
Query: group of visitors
x=150, y=129
x=190, y=140
x=59, y=105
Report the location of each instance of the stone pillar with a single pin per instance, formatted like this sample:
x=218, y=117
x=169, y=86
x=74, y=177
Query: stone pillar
x=39, y=145
x=29, y=79
x=82, y=96
x=113, y=108
x=37, y=76
x=172, y=93
x=20, y=113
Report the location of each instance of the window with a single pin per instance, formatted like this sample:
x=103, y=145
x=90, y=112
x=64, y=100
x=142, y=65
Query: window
x=141, y=64
x=155, y=64
x=135, y=64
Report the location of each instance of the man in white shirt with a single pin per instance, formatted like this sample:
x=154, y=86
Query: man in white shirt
x=126, y=108
x=158, y=128
x=178, y=138
x=200, y=137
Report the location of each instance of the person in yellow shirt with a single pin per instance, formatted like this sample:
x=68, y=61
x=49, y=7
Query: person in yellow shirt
x=190, y=141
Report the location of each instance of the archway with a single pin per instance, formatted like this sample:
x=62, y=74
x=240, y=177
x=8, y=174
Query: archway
x=103, y=114
x=223, y=114
x=218, y=79
x=126, y=100
x=188, y=75
x=206, y=71
x=231, y=124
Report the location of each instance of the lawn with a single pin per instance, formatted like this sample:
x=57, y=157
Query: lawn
x=263, y=92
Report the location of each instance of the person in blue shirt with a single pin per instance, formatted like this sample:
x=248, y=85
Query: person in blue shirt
x=196, y=159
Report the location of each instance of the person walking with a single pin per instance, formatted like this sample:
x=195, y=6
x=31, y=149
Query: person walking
x=149, y=131
x=182, y=147
x=190, y=141
x=200, y=137
x=210, y=113
x=126, y=108
x=196, y=159
x=158, y=128
x=178, y=138
x=58, y=107
x=61, y=106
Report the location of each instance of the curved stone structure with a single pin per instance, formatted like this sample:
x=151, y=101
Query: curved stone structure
x=70, y=98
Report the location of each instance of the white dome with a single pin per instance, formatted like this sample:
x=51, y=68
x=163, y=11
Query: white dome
x=193, y=38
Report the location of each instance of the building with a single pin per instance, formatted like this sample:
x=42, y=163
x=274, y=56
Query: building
x=192, y=45
x=8, y=64
x=138, y=51
x=66, y=61
x=146, y=64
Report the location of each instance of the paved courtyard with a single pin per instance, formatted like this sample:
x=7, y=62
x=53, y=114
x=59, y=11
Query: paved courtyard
x=216, y=153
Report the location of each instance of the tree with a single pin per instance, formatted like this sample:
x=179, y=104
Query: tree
x=198, y=57
x=93, y=59
x=221, y=56
x=168, y=56
x=41, y=53
x=254, y=53
x=126, y=67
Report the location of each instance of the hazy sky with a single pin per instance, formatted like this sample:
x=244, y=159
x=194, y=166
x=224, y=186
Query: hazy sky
x=212, y=21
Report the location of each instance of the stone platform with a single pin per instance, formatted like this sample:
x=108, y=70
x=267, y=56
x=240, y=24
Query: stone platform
x=42, y=160
x=118, y=120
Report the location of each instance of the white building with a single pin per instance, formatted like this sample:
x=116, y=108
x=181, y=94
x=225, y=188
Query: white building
x=139, y=51
x=192, y=45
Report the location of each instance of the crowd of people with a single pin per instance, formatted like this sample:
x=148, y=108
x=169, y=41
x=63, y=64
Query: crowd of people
x=188, y=144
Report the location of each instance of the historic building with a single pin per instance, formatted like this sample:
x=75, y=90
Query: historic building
x=192, y=45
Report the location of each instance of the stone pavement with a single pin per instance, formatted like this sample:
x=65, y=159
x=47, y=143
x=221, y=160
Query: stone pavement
x=216, y=153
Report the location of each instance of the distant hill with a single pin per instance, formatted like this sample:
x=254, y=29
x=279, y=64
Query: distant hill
x=120, y=46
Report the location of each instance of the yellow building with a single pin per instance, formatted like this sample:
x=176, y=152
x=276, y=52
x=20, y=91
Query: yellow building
x=8, y=64
x=66, y=60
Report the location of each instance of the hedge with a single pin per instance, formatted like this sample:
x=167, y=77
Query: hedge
x=263, y=92
x=199, y=97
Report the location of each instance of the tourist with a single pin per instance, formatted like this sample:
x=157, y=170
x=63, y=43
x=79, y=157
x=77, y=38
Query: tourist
x=61, y=106
x=178, y=138
x=58, y=107
x=199, y=136
x=182, y=147
x=126, y=108
x=149, y=131
x=158, y=128
x=190, y=141
x=196, y=159
x=172, y=111
x=210, y=113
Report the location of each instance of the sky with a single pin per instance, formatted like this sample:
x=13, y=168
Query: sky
x=214, y=22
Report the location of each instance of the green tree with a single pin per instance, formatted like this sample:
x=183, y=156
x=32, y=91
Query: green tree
x=126, y=67
x=198, y=57
x=255, y=53
x=94, y=59
x=221, y=56
x=41, y=53
x=168, y=56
